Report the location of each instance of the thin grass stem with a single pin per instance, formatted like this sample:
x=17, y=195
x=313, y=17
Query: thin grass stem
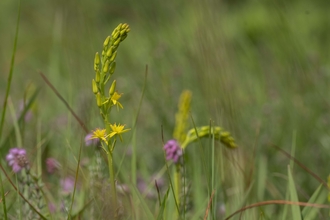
x=11, y=70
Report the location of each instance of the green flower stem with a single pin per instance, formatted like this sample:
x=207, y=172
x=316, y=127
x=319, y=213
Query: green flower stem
x=112, y=174
x=177, y=183
x=106, y=123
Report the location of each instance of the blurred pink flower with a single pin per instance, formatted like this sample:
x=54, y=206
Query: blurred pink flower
x=16, y=158
x=173, y=150
x=91, y=142
x=52, y=165
x=67, y=184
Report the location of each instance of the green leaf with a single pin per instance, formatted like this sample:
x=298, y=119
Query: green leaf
x=293, y=197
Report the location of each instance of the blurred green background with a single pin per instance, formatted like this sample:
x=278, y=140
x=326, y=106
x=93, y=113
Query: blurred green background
x=258, y=68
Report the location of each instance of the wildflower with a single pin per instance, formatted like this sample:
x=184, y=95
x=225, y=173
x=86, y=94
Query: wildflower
x=17, y=159
x=89, y=141
x=173, y=150
x=100, y=134
x=182, y=116
x=114, y=99
x=52, y=165
x=118, y=130
x=67, y=185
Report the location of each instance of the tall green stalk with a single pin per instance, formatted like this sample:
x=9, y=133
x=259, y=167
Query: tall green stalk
x=104, y=67
x=112, y=176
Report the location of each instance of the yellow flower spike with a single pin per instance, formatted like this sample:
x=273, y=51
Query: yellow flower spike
x=114, y=99
x=100, y=134
x=117, y=130
x=182, y=116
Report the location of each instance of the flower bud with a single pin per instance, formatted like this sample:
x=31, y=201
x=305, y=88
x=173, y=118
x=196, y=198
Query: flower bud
x=113, y=57
x=97, y=76
x=106, y=41
x=95, y=89
x=114, y=31
x=98, y=99
x=122, y=32
x=112, y=88
x=117, y=41
x=106, y=66
x=96, y=59
x=119, y=27
x=109, y=52
x=123, y=37
x=124, y=26
x=112, y=67
x=115, y=36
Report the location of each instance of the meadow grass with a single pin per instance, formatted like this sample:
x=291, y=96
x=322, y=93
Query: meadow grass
x=259, y=70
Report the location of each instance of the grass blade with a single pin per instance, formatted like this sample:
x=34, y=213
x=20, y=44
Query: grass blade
x=163, y=205
x=318, y=197
x=144, y=205
x=293, y=196
x=262, y=177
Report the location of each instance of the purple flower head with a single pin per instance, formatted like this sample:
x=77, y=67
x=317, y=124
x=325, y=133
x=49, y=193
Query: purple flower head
x=16, y=158
x=173, y=150
x=91, y=142
x=52, y=165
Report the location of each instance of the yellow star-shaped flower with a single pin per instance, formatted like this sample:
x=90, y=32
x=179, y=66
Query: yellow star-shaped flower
x=114, y=99
x=100, y=134
x=117, y=130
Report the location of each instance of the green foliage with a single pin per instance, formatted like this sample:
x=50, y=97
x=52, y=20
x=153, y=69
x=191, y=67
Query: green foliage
x=258, y=69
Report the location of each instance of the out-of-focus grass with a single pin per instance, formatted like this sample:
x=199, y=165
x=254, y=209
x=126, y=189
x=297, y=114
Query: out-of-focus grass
x=260, y=69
